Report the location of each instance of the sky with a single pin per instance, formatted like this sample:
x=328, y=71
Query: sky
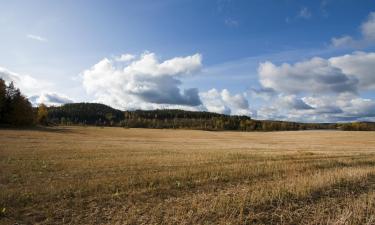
x=308, y=61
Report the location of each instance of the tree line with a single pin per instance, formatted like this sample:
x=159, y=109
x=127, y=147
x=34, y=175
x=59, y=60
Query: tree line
x=103, y=115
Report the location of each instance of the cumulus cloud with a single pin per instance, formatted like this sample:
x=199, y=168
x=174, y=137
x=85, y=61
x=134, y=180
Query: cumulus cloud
x=50, y=99
x=226, y=103
x=318, y=90
x=293, y=102
x=367, y=29
x=360, y=65
x=323, y=104
x=143, y=82
x=344, y=41
x=360, y=108
x=28, y=84
x=313, y=76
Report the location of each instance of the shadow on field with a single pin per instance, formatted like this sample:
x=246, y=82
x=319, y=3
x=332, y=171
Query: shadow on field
x=39, y=128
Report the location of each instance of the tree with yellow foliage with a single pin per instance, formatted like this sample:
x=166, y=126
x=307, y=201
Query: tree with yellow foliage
x=42, y=115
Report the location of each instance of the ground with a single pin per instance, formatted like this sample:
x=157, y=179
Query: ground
x=90, y=175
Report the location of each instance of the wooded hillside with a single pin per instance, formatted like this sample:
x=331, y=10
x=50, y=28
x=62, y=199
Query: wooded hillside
x=102, y=115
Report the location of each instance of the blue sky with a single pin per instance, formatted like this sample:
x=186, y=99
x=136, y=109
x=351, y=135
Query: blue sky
x=224, y=56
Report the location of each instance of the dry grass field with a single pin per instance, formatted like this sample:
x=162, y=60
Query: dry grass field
x=77, y=175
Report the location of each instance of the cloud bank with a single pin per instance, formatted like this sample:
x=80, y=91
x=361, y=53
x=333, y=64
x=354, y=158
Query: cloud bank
x=313, y=76
x=145, y=82
x=319, y=90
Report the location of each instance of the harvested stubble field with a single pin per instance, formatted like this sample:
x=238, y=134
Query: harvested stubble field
x=77, y=175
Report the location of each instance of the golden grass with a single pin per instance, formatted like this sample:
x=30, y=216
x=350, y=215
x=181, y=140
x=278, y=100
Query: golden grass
x=78, y=175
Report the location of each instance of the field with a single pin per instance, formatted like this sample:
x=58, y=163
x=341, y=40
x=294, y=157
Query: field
x=90, y=175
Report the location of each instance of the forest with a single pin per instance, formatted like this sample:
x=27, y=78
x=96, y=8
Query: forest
x=16, y=110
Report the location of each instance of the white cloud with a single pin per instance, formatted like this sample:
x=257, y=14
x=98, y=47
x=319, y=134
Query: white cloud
x=143, y=82
x=367, y=35
x=226, y=103
x=125, y=58
x=38, y=91
x=50, y=99
x=368, y=27
x=360, y=65
x=26, y=83
x=37, y=38
x=343, y=41
x=146, y=83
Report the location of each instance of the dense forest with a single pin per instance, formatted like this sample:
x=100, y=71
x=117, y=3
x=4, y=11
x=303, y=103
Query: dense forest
x=16, y=110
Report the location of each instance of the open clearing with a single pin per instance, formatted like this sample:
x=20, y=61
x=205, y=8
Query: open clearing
x=78, y=175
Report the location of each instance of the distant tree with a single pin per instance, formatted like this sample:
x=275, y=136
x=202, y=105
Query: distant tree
x=63, y=121
x=42, y=116
x=2, y=99
x=109, y=117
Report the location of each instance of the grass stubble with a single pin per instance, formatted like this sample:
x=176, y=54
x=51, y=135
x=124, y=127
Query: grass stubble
x=89, y=175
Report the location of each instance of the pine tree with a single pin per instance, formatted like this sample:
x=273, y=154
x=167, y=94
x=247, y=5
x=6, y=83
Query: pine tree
x=15, y=110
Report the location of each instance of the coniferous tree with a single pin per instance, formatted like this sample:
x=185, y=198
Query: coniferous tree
x=15, y=109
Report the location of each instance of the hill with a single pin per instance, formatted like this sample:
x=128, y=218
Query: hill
x=84, y=113
x=103, y=115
